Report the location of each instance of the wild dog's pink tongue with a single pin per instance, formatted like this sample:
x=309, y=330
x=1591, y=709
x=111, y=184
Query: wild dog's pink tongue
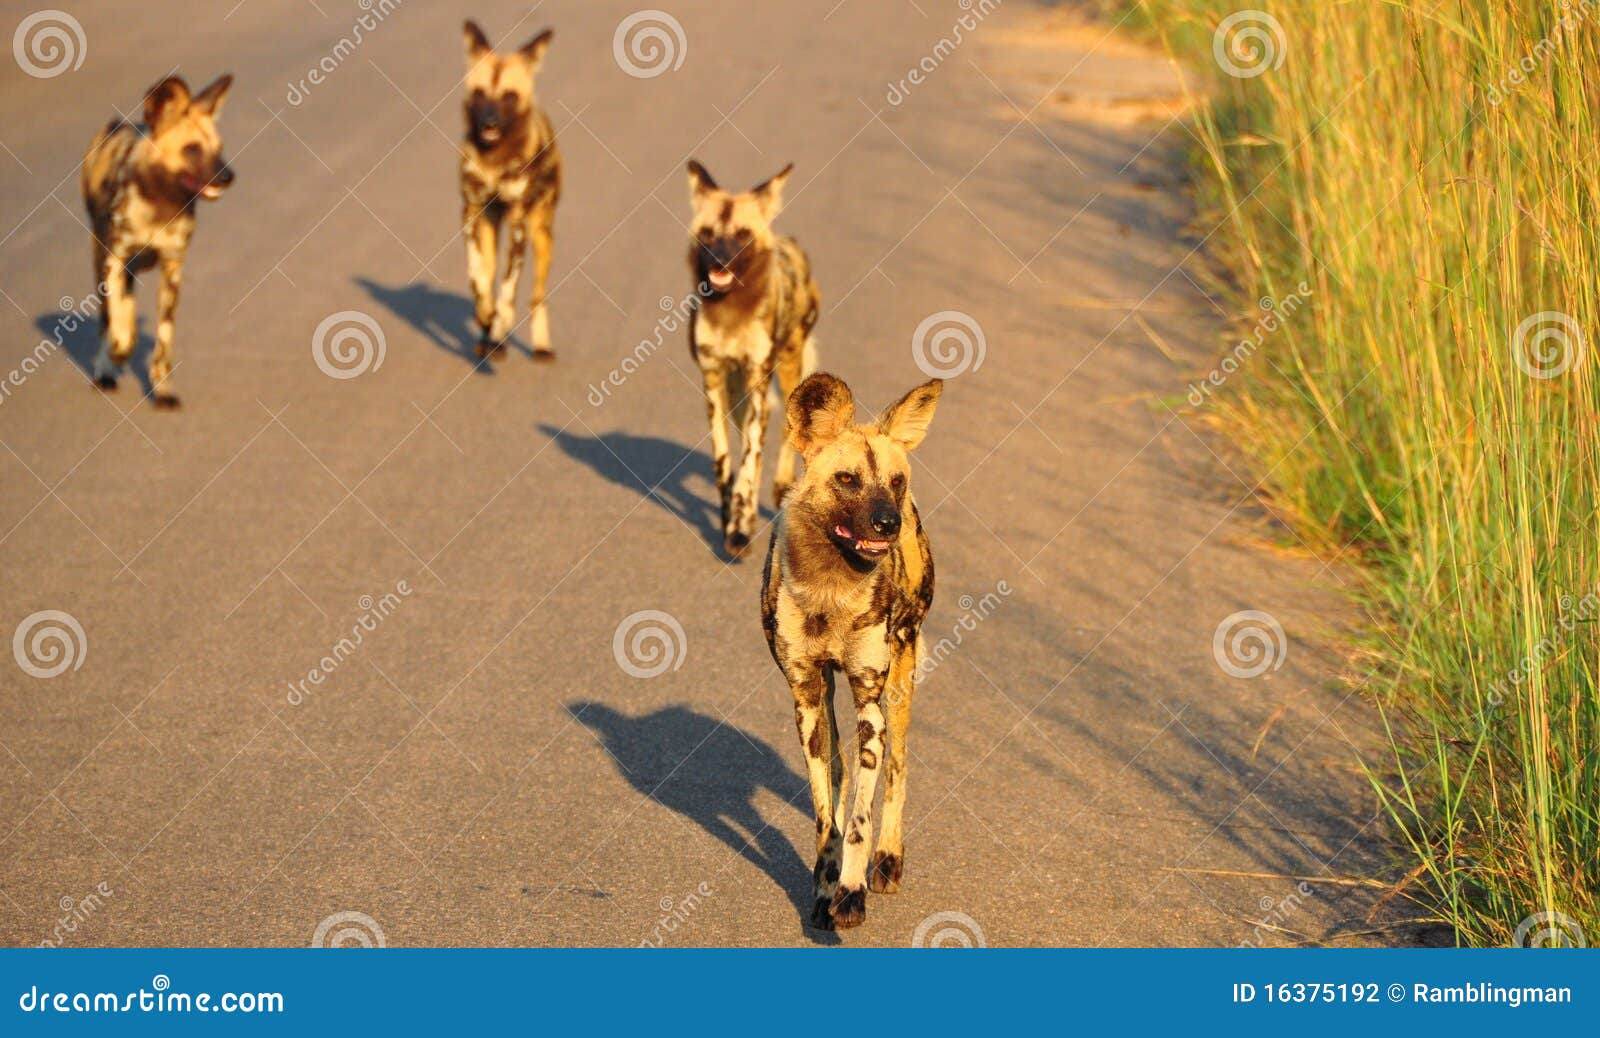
x=720, y=278
x=842, y=530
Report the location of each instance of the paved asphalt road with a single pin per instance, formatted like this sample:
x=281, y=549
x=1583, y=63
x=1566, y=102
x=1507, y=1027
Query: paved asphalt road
x=483, y=770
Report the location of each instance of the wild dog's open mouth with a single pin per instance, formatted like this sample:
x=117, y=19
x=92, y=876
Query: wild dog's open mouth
x=861, y=544
x=720, y=278
x=202, y=188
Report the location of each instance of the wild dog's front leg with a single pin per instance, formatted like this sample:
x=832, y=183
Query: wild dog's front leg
x=161, y=391
x=813, y=715
x=543, y=240
x=505, y=304
x=479, y=224
x=888, y=861
x=118, y=323
x=849, y=906
x=747, y=485
x=715, y=378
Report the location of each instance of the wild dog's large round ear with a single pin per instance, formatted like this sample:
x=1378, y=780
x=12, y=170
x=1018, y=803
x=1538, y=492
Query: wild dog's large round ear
x=819, y=409
x=699, y=180
x=477, y=42
x=769, y=195
x=533, y=51
x=906, y=423
x=210, y=99
x=166, y=102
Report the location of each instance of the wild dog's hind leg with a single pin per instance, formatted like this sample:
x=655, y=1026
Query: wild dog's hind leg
x=819, y=738
x=506, y=302
x=543, y=240
x=791, y=369
x=480, y=224
x=747, y=485
x=161, y=391
x=849, y=906
x=888, y=861
x=118, y=323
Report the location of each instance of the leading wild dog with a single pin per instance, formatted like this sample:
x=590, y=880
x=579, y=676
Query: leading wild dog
x=510, y=175
x=140, y=185
x=849, y=579
x=756, y=305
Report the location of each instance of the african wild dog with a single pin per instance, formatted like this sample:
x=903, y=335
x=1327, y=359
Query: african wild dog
x=140, y=185
x=756, y=306
x=849, y=579
x=510, y=173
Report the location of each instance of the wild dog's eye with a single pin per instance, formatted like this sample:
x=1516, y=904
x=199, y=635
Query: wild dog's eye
x=742, y=234
x=704, y=234
x=192, y=152
x=508, y=99
x=845, y=479
x=897, y=481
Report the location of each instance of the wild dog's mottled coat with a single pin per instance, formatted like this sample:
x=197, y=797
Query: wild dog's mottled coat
x=835, y=598
x=755, y=308
x=510, y=174
x=140, y=183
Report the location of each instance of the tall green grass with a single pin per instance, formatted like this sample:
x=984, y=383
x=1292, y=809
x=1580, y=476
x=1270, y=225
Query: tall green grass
x=1435, y=203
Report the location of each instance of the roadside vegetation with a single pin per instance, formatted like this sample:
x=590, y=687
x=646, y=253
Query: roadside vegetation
x=1429, y=169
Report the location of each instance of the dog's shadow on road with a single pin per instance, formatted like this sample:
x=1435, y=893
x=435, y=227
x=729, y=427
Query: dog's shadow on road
x=443, y=318
x=79, y=337
x=710, y=772
x=659, y=469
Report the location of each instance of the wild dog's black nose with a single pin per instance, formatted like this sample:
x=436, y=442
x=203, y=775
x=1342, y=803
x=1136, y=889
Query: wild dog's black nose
x=885, y=519
x=224, y=175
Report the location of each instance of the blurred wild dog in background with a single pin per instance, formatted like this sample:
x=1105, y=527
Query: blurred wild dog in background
x=140, y=184
x=848, y=582
x=510, y=173
x=757, y=303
